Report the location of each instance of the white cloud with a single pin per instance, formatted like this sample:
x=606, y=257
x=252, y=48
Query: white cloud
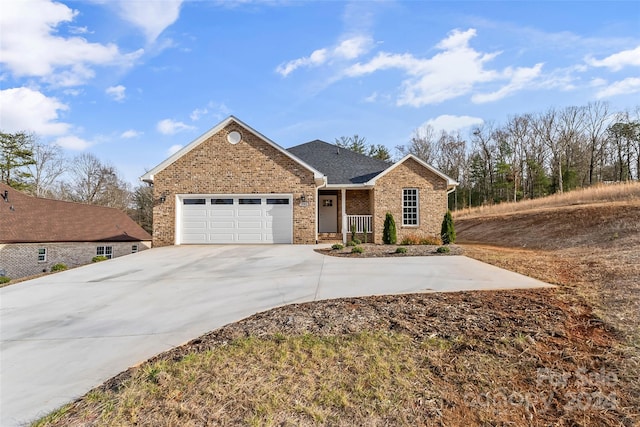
x=596, y=82
x=618, y=61
x=456, y=70
x=71, y=142
x=170, y=127
x=174, y=149
x=519, y=79
x=348, y=49
x=449, y=123
x=627, y=86
x=29, y=45
x=29, y=110
x=152, y=17
x=216, y=110
x=131, y=133
x=117, y=93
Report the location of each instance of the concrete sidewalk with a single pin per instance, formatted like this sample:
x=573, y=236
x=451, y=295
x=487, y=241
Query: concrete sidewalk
x=63, y=334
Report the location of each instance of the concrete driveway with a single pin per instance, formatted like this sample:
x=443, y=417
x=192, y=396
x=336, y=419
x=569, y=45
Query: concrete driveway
x=63, y=334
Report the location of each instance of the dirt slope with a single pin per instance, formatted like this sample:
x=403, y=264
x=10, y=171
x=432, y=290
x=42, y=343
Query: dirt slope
x=600, y=225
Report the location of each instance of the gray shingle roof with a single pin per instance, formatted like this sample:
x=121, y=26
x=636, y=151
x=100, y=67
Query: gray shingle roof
x=340, y=165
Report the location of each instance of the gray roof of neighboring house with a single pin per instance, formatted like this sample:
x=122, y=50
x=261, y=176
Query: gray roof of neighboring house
x=340, y=165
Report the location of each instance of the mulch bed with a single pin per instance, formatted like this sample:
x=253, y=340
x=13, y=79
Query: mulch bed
x=372, y=250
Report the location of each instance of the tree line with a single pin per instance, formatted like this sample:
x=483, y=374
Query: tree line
x=42, y=170
x=534, y=155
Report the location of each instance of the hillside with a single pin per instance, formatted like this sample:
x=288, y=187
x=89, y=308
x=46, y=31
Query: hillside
x=591, y=244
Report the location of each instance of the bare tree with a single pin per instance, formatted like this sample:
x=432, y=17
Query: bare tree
x=422, y=144
x=96, y=183
x=595, y=128
x=49, y=164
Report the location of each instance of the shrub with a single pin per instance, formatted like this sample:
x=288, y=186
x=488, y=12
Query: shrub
x=410, y=239
x=99, y=258
x=430, y=240
x=443, y=250
x=59, y=267
x=4, y=279
x=357, y=241
x=389, y=236
x=366, y=234
x=351, y=243
x=357, y=250
x=401, y=250
x=337, y=247
x=447, y=232
x=353, y=232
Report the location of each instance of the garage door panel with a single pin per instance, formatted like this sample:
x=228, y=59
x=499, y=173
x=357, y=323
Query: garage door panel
x=254, y=218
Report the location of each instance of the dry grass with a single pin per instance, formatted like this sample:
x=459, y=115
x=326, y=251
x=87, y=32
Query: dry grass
x=624, y=191
x=475, y=358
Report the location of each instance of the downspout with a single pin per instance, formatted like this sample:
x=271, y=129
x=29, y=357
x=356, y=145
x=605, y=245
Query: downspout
x=344, y=215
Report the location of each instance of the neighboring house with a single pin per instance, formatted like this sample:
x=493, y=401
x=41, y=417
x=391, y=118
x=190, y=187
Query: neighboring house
x=234, y=185
x=37, y=233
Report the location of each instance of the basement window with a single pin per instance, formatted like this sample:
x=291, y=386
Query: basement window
x=134, y=249
x=105, y=251
x=42, y=255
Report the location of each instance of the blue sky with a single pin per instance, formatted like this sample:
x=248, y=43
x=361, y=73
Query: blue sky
x=132, y=81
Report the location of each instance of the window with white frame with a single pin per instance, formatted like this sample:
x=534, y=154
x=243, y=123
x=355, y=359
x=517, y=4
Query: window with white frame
x=134, y=249
x=42, y=254
x=410, y=206
x=105, y=251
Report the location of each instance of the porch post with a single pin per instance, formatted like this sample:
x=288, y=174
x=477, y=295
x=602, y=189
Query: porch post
x=344, y=215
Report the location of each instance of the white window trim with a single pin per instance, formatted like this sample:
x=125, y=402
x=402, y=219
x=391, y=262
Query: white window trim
x=45, y=255
x=104, y=251
x=417, y=207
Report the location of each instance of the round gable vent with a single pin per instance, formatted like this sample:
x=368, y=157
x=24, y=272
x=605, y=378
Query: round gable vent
x=234, y=137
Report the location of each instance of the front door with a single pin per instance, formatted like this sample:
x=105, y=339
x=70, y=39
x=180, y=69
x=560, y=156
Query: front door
x=327, y=214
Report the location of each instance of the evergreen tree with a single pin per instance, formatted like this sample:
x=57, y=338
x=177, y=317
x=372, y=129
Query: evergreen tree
x=389, y=234
x=447, y=232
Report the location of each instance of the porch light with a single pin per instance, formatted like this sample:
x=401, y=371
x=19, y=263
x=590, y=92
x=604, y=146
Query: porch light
x=303, y=198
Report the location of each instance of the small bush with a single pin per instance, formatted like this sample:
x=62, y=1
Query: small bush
x=4, y=279
x=59, y=267
x=366, y=234
x=389, y=236
x=357, y=241
x=351, y=243
x=353, y=232
x=337, y=246
x=447, y=232
x=410, y=239
x=357, y=250
x=443, y=250
x=401, y=250
x=430, y=240
x=99, y=258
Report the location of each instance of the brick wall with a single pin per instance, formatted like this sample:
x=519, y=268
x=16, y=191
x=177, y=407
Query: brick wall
x=218, y=167
x=21, y=259
x=432, y=192
x=358, y=202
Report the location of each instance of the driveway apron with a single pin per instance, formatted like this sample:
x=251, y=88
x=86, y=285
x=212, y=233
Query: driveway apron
x=63, y=334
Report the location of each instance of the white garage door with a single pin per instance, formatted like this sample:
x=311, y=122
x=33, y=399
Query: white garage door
x=247, y=218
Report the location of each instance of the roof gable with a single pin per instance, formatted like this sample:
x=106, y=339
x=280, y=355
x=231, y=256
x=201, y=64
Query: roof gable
x=340, y=165
x=148, y=177
x=28, y=219
x=451, y=183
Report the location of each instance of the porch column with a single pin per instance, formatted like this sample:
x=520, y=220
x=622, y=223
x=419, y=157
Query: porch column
x=343, y=193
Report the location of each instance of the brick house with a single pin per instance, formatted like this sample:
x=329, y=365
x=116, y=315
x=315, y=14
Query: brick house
x=234, y=185
x=37, y=233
